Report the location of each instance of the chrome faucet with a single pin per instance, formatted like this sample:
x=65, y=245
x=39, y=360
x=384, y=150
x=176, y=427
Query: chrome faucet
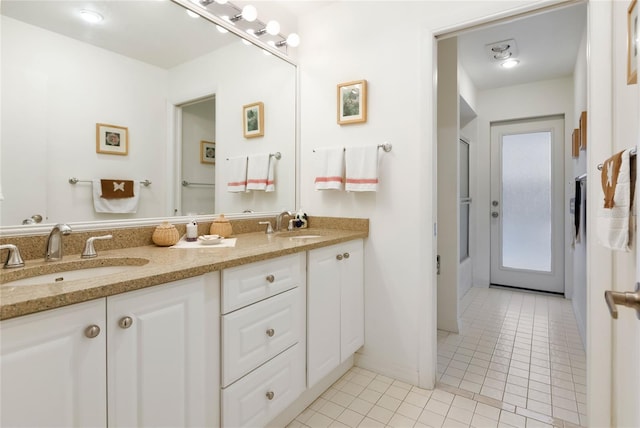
x=13, y=258
x=279, y=219
x=54, y=243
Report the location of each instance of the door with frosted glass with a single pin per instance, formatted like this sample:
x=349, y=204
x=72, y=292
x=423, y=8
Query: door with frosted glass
x=526, y=204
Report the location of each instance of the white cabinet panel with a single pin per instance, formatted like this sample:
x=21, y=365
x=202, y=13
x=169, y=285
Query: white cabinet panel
x=335, y=307
x=258, y=397
x=351, y=299
x=52, y=374
x=160, y=370
x=255, y=334
x=244, y=285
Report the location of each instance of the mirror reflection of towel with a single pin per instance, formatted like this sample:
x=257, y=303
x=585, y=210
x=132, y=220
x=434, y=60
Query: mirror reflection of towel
x=116, y=189
x=609, y=178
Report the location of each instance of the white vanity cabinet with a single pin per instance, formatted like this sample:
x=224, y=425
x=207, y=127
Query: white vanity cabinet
x=163, y=355
x=52, y=368
x=335, y=306
x=263, y=343
x=154, y=350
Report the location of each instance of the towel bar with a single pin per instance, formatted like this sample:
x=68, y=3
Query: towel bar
x=385, y=146
x=632, y=153
x=74, y=180
x=276, y=155
x=186, y=183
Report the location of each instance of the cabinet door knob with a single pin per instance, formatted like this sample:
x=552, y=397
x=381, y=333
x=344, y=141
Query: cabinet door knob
x=271, y=332
x=92, y=331
x=346, y=255
x=271, y=278
x=270, y=395
x=339, y=257
x=125, y=322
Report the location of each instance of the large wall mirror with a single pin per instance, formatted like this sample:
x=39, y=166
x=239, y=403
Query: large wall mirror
x=176, y=83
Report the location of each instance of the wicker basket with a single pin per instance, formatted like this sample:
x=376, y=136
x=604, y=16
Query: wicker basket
x=165, y=235
x=221, y=226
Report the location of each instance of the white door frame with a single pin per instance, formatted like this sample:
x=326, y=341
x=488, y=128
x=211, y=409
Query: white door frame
x=599, y=263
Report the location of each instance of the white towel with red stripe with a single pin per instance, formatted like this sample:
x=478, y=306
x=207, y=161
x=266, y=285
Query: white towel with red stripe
x=361, y=165
x=237, y=174
x=258, y=172
x=329, y=162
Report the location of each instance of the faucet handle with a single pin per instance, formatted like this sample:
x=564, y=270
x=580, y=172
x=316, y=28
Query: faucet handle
x=14, y=259
x=269, y=227
x=89, y=250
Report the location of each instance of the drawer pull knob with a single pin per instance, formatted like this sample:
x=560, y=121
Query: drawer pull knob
x=125, y=322
x=270, y=395
x=271, y=278
x=92, y=331
x=339, y=257
x=346, y=255
x=271, y=332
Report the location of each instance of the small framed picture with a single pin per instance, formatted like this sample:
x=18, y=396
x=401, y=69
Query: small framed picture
x=583, y=130
x=352, y=102
x=253, y=120
x=112, y=139
x=632, y=44
x=207, y=152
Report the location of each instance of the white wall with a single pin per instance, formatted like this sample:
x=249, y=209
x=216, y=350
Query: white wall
x=50, y=106
x=578, y=263
x=396, y=57
x=515, y=102
x=256, y=77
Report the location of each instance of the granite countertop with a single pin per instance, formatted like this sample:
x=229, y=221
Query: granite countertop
x=164, y=265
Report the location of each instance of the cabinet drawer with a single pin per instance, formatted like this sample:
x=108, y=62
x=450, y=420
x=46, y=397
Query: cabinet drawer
x=244, y=285
x=261, y=395
x=257, y=333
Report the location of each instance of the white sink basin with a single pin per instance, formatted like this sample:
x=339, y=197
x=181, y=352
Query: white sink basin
x=75, y=272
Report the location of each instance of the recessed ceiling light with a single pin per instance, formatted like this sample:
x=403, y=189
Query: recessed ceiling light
x=510, y=63
x=90, y=16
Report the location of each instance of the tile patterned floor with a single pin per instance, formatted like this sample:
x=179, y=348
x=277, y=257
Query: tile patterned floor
x=517, y=362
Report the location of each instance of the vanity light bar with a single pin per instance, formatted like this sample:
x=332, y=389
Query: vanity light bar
x=74, y=180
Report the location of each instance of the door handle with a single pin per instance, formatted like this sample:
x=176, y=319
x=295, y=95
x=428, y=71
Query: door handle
x=631, y=300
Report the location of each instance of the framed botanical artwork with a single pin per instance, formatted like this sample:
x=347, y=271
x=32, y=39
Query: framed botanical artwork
x=632, y=43
x=352, y=102
x=575, y=147
x=583, y=130
x=207, y=152
x=112, y=139
x=253, y=120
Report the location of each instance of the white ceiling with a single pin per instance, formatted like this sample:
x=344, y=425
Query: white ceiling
x=160, y=33
x=547, y=48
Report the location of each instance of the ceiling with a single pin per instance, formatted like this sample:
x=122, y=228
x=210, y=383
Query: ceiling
x=547, y=42
x=547, y=45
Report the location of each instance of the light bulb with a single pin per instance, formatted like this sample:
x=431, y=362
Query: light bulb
x=192, y=14
x=273, y=27
x=249, y=13
x=510, y=63
x=222, y=29
x=293, y=40
x=221, y=1
x=91, y=16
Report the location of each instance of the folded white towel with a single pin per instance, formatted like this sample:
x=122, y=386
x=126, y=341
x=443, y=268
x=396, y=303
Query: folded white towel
x=257, y=172
x=237, y=174
x=361, y=169
x=271, y=176
x=329, y=168
x=115, y=206
x=613, y=223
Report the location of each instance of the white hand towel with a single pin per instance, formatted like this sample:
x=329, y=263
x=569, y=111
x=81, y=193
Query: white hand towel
x=115, y=206
x=613, y=223
x=329, y=163
x=361, y=169
x=257, y=172
x=271, y=177
x=237, y=174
